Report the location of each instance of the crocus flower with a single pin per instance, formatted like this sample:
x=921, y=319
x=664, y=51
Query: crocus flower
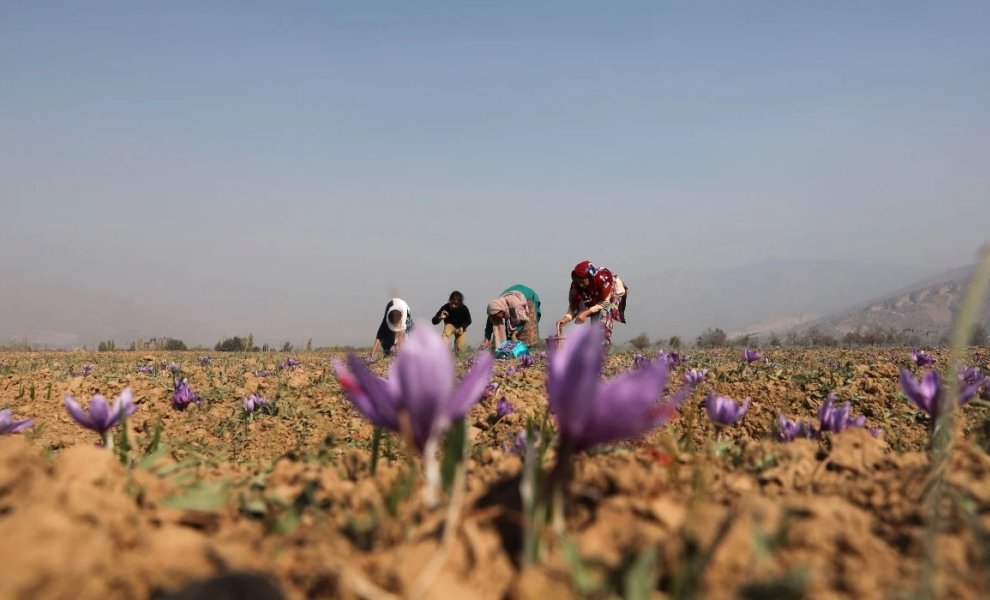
x=788, y=430
x=673, y=359
x=640, y=361
x=525, y=361
x=290, y=363
x=184, y=395
x=147, y=369
x=102, y=417
x=262, y=373
x=87, y=369
x=924, y=393
x=751, y=355
x=836, y=419
x=520, y=443
x=970, y=381
x=9, y=425
x=504, y=407
x=420, y=387
x=174, y=367
x=922, y=358
x=205, y=360
x=724, y=411
x=254, y=402
x=590, y=412
x=694, y=377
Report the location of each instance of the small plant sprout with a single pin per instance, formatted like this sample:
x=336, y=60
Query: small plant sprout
x=10, y=425
x=102, y=417
x=751, y=356
x=184, y=395
x=419, y=398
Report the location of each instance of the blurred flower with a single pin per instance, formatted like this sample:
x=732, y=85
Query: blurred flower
x=788, y=430
x=262, y=373
x=87, y=369
x=205, y=360
x=254, y=402
x=640, y=361
x=751, y=355
x=504, y=407
x=694, y=377
x=590, y=412
x=923, y=393
x=672, y=359
x=184, y=395
x=970, y=381
x=520, y=443
x=921, y=358
x=102, y=417
x=290, y=363
x=147, y=369
x=724, y=411
x=420, y=387
x=174, y=367
x=9, y=425
x=836, y=419
x=526, y=360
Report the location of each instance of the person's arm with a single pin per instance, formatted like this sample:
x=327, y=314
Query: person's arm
x=441, y=314
x=467, y=319
x=374, y=347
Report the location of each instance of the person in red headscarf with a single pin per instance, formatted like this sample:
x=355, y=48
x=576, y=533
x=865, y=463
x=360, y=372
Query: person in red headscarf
x=595, y=294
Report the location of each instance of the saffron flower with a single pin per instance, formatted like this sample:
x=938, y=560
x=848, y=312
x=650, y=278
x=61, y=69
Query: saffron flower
x=504, y=407
x=255, y=402
x=525, y=361
x=590, y=412
x=290, y=363
x=673, y=359
x=174, y=367
x=184, y=395
x=205, y=360
x=640, y=361
x=751, y=355
x=87, y=369
x=419, y=392
x=146, y=369
x=723, y=411
x=788, y=430
x=9, y=425
x=520, y=443
x=924, y=393
x=836, y=419
x=694, y=377
x=102, y=417
x=922, y=358
x=262, y=373
x=970, y=381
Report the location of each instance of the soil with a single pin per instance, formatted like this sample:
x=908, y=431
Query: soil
x=290, y=495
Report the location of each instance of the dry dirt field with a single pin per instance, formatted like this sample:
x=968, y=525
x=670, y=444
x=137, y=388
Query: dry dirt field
x=290, y=493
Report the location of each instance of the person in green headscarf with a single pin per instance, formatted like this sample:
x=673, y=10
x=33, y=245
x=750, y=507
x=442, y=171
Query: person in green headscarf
x=508, y=311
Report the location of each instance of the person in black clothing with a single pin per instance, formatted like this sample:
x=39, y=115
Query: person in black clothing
x=396, y=323
x=456, y=318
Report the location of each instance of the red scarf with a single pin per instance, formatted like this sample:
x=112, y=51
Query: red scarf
x=599, y=290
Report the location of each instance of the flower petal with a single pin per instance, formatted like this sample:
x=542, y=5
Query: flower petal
x=79, y=415
x=627, y=407
x=573, y=379
x=424, y=372
x=469, y=391
x=369, y=394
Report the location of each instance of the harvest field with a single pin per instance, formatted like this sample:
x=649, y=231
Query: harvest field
x=294, y=491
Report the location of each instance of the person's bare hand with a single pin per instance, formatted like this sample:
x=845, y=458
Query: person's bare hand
x=443, y=315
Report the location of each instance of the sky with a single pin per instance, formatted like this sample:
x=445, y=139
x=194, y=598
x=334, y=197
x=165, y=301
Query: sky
x=285, y=168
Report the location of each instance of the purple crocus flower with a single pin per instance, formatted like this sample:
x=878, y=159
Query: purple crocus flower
x=262, y=373
x=87, y=369
x=255, y=402
x=590, y=412
x=694, y=377
x=290, y=363
x=921, y=358
x=9, y=425
x=520, y=443
x=924, y=393
x=723, y=411
x=751, y=355
x=146, y=369
x=184, y=395
x=673, y=359
x=174, y=367
x=788, y=430
x=504, y=407
x=419, y=388
x=102, y=417
x=836, y=419
x=639, y=361
x=205, y=360
x=970, y=381
x=525, y=361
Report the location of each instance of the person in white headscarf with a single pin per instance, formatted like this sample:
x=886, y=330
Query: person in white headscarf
x=396, y=324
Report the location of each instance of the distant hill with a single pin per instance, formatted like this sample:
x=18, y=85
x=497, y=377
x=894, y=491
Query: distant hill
x=926, y=309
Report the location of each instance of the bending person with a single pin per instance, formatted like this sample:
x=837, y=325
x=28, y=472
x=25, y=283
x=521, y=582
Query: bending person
x=456, y=318
x=396, y=323
x=595, y=294
x=501, y=326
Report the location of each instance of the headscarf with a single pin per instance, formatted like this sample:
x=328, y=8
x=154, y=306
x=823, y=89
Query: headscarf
x=507, y=303
x=401, y=306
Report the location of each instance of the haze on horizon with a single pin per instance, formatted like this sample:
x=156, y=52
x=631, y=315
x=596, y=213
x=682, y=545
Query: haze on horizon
x=210, y=169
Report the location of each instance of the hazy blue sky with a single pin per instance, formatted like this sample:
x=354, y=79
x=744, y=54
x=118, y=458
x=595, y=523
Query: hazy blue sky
x=286, y=167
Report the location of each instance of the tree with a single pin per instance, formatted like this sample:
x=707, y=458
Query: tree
x=234, y=344
x=674, y=342
x=640, y=342
x=173, y=344
x=980, y=336
x=712, y=338
x=287, y=347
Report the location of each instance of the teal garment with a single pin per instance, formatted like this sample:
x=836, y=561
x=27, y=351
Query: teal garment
x=529, y=294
